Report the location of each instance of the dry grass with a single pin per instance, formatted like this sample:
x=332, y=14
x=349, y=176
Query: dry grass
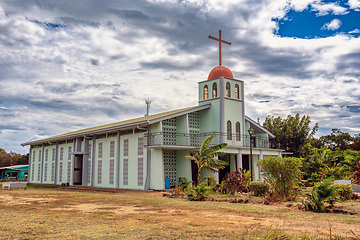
x=62, y=214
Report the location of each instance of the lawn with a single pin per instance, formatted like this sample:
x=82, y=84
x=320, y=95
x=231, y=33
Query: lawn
x=54, y=213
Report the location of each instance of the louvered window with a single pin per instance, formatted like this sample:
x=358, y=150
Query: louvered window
x=52, y=172
x=39, y=171
x=32, y=172
x=69, y=154
x=40, y=156
x=111, y=173
x=46, y=155
x=69, y=172
x=126, y=171
x=99, y=171
x=100, y=152
x=112, y=149
x=140, y=171
x=45, y=172
x=228, y=127
x=53, y=155
x=126, y=147
x=60, y=171
x=140, y=146
x=61, y=154
x=238, y=132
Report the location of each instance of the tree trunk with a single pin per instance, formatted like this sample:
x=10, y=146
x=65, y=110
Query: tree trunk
x=198, y=176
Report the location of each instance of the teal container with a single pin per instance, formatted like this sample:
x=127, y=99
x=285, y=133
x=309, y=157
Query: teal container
x=167, y=183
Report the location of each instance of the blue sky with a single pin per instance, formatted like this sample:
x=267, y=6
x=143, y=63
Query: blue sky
x=67, y=65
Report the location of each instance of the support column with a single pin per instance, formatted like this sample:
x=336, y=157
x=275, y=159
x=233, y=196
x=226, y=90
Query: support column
x=239, y=159
x=93, y=161
x=56, y=163
x=222, y=110
x=261, y=156
x=117, y=175
x=42, y=164
x=85, y=162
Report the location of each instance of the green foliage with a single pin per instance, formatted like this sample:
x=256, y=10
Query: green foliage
x=290, y=133
x=206, y=157
x=185, y=185
x=259, y=188
x=198, y=193
x=11, y=158
x=345, y=191
x=283, y=174
x=337, y=140
x=323, y=192
x=247, y=178
x=234, y=182
x=357, y=173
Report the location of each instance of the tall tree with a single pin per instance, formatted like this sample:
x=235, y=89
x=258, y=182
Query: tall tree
x=356, y=142
x=290, y=133
x=337, y=139
x=206, y=157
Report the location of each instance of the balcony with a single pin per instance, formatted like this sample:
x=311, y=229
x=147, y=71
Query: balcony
x=195, y=140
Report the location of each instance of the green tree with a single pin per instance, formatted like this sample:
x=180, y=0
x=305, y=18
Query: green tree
x=290, y=133
x=337, y=140
x=283, y=174
x=356, y=142
x=206, y=157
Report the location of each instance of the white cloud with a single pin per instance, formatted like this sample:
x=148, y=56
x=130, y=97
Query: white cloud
x=354, y=4
x=332, y=26
x=328, y=8
x=355, y=31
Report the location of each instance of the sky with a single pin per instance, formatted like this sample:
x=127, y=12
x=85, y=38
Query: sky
x=67, y=65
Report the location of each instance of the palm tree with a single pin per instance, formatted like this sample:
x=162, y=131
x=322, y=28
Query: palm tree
x=205, y=158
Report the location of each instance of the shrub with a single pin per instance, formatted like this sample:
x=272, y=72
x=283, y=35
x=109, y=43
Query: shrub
x=283, y=174
x=185, y=184
x=323, y=192
x=357, y=173
x=233, y=182
x=345, y=191
x=259, y=188
x=198, y=193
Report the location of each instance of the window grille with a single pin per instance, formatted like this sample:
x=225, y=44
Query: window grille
x=40, y=156
x=45, y=172
x=33, y=159
x=169, y=122
x=69, y=154
x=214, y=90
x=111, y=174
x=194, y=137
x=169, y=136
x=228, y=94
x=46, y=155
x=112, y=149
x=89, y=172
x=90, y=150
x=60, y=171
x=140, y=171
x=194, y=120
x=100, y=150
x=52, y=172
x=32, y=172
x=126, y=172
x=53, y=155
x=61, y=154
x=126, y=147
x=68, y=172
x=99, y=171
x=228, y=127
x=39, y=171
x=170, y=166
x=140, y=146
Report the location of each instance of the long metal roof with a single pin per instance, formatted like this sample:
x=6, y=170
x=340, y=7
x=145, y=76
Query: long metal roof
x=141, y=121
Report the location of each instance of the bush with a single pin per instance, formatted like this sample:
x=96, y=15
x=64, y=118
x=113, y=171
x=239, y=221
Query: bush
x=185, y=185
x=233, y=182
x=345, y=191
x=357, y=173
x=259, y=188
x=323, y=192
x=198, y=193
x=283, y=174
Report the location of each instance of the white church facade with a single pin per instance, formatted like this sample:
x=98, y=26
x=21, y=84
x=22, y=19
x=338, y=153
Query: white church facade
x=141, y=153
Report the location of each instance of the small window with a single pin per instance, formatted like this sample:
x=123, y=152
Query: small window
x=228, y=90
x=228, y=128
x=206, y=92
x=214, y=90
x=236, y=91
x=100, y=150
x=238, y=132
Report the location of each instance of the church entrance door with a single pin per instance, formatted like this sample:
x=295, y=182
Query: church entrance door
x=78, y=169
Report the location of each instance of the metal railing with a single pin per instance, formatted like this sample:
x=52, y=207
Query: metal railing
x=196, y=139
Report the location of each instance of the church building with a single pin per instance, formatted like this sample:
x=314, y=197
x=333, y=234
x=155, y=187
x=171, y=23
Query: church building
x=141, y=153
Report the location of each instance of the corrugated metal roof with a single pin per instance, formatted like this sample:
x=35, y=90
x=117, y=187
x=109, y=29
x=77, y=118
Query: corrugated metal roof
x=146, y=120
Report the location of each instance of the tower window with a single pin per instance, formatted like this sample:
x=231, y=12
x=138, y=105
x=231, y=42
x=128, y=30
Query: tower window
x=206, y=92
x=238, y=137
x=228, y=128
x=214, y=90
x=228, y=90
x=236, y=91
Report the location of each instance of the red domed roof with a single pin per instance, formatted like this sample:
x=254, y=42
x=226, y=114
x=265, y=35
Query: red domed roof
x=220, y=71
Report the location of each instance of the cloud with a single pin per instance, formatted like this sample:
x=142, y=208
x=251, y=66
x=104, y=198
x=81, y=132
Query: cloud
x=354, y=4
x=323, y=9
x=332, y=26
x=354, y=31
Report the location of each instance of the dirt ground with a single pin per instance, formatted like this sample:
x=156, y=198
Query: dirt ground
x=64, y=214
